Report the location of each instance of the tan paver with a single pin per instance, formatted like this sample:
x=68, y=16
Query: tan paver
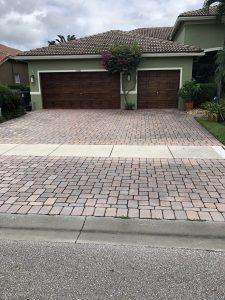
x=173, y=189
x=106, y=127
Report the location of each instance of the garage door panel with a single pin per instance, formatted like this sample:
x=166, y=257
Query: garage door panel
x=80, y=90
x=158, y=89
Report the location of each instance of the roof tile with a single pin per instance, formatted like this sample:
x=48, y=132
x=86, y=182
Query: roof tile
x=155, y=32
x=94, y=44
x=203, y=12
x=6, y=52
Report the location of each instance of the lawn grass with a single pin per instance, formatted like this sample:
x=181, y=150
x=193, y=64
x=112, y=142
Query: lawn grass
x=216, y=129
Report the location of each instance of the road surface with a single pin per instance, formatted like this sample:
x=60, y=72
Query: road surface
x=41, y=270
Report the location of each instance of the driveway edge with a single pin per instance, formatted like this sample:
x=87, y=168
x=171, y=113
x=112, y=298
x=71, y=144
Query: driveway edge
x=153, y=233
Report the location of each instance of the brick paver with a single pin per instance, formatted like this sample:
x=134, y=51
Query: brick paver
x=181, y=189
x=112, y=127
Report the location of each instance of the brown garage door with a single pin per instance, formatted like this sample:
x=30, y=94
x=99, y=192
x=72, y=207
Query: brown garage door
x=158, y=89
x=80, y=90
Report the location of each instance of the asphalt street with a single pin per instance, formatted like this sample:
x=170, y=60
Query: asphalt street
x=41, y=270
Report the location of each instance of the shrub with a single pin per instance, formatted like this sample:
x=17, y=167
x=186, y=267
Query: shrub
x=121, y=58
x=190, y=90
x=9, y=100
x=206, y=93
x=215, y=108
x=20, y=87
x=211, y=107
x=222, y=110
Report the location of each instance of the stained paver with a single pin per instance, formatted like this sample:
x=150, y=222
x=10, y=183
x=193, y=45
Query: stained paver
x=135, y=188
x=106, y=127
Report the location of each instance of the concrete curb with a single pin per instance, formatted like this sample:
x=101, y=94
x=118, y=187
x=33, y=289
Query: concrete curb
x=41, y=222
x=154, y=233
x=113, y=151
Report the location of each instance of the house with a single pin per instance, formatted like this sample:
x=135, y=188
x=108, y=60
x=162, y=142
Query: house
x=12, y=72
x=70, y=75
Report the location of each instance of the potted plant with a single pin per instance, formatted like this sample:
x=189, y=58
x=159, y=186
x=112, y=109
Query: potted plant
x=214, y=110
x=189, y=92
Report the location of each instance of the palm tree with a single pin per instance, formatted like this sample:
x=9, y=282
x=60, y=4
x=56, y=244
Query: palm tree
x=71, y=37
x=220, y=7
x=50, y=43
x=220, y=71
x=61, y=39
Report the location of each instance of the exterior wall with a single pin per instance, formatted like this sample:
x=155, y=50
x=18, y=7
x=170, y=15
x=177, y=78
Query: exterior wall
x=184, y=64
x=9, y=68
x=6, y=74
x=202, y=34
x=75, y=65
x=22, y=69
x=205, y=35
x=180, y=35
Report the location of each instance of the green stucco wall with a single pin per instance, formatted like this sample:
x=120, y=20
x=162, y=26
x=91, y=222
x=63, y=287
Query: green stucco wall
x=180, y=35
x=202, y=34
x=185, y=63
x=56, y=65
x=205, y=35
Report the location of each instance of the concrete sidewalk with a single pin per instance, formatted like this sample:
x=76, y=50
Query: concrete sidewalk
x=114, y=151
x=170, y=234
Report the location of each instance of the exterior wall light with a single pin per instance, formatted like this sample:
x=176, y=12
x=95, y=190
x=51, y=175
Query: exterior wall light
x=32, y=78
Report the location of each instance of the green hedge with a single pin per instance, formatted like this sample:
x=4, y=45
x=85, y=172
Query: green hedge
x=206, y=93
x=20, y=87
x=9, y=100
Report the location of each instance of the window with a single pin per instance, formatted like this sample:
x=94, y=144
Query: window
x=17, y=78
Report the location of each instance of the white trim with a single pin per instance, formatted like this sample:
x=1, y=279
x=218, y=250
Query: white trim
x=196, y=18
x=35, y=93
x=165, y=69
x=173, y=54
x=213, y=49
x=46, y=57
x=134, y=92
x=92, y=56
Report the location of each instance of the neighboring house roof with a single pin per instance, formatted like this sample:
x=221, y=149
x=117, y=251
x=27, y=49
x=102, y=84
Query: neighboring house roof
x=154, y=32
x=6, y=52
x=203, y=12
x=94, y=44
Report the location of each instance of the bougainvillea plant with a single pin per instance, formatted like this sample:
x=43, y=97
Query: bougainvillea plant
x=121, y=58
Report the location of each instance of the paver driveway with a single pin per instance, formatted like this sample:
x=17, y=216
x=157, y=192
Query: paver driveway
x=137, y=188
x=162, y=127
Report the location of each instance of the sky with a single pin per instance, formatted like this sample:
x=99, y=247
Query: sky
x=28, y=24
